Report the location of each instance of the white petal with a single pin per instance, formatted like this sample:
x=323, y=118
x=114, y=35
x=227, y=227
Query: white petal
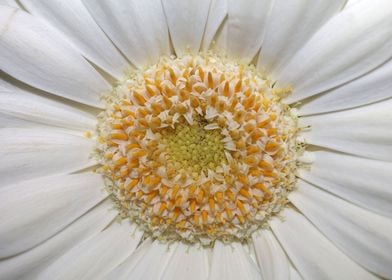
x=148, y=262
x=37, y=54
x=232, y=262
x=138, y=28
x=364, y=236
x=97, y=256
x=186, y=21
x=245, y=27
x=8, y=84
x=187, y=262
x=31, y=153
x=72, y=18
x=290, y=25
x=11, y=3
x=37, y=209
x=124, y=269
x=364, y=182
x=294, y=275
x=272, y=260
x=372, y=87
x=9, y=121
x=33, y=108
x=352, y=2
x=352, y=43
x=216, y=15
x=30, y=263
x=364, y=131
x=221, y=40
x=314, y=256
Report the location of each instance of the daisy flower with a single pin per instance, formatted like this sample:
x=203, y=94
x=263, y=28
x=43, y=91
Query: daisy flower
x=198, y=139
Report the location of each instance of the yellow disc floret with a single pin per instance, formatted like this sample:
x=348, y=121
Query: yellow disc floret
x=193, y=149
x=197, y=148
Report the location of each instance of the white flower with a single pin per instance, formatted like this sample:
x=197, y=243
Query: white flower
x=58, y=58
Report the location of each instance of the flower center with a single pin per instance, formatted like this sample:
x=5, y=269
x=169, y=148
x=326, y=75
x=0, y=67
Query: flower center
x=192, y=149
x=197, y=148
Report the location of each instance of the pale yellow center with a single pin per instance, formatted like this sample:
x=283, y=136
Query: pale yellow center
x=193, y=149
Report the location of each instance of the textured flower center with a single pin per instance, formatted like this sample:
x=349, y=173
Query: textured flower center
x=197, y=148
x=193, y=149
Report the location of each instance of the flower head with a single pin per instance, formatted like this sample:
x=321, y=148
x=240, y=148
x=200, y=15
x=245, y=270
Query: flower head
x=198, y=139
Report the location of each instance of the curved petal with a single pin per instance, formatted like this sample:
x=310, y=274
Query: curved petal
x=148, y=262
x=73, y=19
x=364, y=182
x=364, y=131
x=37, y=109
x=294, y=275
x=138, y=28
x=11, y=3
x=245, y=27
x=30, y=153
x=186, y=21
x=272, y=261
x=7, y=121
x=362, y=235
x=232, y=262
x=97, y=256
x=351, y=44
x=187, y=262
x=352, y=2
x=29, y=264
x=216, y=15
x=38, y=209
x=314, y=256
x=37, y=54
x=372, y=87
x=122, y=271
x=289, y=26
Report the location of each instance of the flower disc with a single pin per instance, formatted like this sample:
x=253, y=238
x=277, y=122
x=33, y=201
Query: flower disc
x=198, y=148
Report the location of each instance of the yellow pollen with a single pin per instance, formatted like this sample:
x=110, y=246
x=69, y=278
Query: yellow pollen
x=198, y=148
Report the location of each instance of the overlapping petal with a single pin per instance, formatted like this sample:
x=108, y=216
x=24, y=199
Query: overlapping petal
x=187, y=262
x=352, y=43
x=232, y=262
x=29, y=264
x=148, y=261
x=245, y=28
x=216, y=15
x=289, y=26
x=372, y=87
x=362, y=131
x=37, y=209
x=39, y=55
x=364, y=236
x=137, y=28
x=72, y=18
x=272, y=260
x=364, y=182
x=313, y=255
x=96, y=256
x=183, y=16
x=23, y=106
x=31, y=153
